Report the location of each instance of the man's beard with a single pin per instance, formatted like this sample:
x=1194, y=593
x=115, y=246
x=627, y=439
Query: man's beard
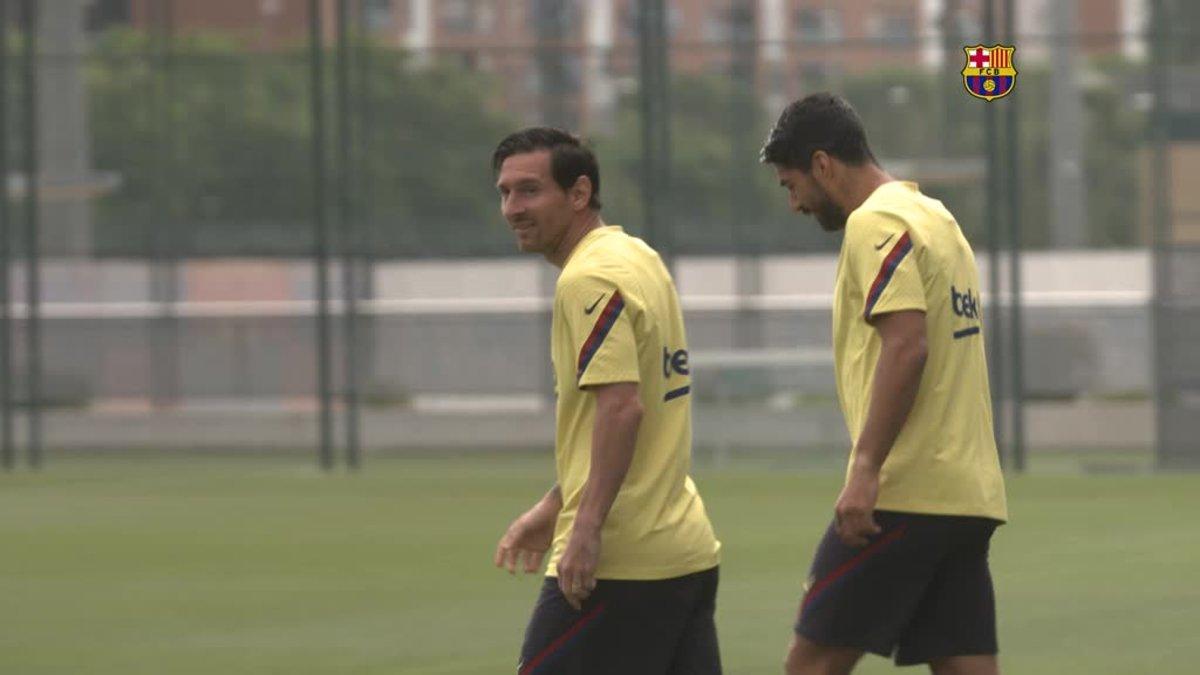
x=830, y=216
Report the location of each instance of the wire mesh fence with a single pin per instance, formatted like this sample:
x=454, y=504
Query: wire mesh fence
x=258, y=221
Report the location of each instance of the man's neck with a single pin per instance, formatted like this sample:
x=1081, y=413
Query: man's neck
x=575, y=234
x=863, y=182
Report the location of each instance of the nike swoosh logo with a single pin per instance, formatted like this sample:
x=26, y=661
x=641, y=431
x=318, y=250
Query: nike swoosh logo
x=589, y=310
x=883, y=243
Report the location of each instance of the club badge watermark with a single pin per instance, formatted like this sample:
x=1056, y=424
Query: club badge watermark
x=989, y=73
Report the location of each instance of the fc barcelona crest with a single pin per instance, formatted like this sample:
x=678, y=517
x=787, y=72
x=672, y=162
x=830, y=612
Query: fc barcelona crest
x=989, y=73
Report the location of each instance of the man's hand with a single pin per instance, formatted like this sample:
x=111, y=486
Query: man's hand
x=854, y=517
x=577, y=567
x=527, y=539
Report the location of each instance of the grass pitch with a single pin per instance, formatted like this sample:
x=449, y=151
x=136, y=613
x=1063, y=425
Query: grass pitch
x=185, y=564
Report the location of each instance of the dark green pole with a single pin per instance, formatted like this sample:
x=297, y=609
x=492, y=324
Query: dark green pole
x=748, y=329
x=652, y=53
x=550, y=23
x=1157, y=37
x=993, y=205
x=1012, y=127
x=952, y=53
x=364, y=186
x=165, y=335
x=324, y=349
x=349, y=228
x=7, y=448
x=33, y=277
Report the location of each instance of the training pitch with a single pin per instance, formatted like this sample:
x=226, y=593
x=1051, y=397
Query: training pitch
x=189, y=564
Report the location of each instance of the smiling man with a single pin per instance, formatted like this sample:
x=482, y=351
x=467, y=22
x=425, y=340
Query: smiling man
x=903, y=569
x=632, y=576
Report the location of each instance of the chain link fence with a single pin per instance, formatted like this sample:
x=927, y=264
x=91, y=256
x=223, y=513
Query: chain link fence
x=272, y=224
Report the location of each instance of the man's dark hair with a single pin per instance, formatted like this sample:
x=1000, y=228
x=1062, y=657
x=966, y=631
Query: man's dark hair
x=820, y=121
x=569, y=157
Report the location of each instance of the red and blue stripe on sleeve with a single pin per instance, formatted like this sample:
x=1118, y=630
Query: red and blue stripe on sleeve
x=886, y=271
x=604, y=324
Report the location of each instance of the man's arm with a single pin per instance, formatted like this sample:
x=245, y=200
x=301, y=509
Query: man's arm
x=614, y=437
x=897, y=378
x=530, y=535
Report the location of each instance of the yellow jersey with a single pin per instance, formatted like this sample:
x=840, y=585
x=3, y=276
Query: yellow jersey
x=617, y=318
x=904, y=251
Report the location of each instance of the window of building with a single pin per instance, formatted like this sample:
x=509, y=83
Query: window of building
x=555, y=17
x=466, y=16
x=968, y=24
x=895, y=27
x=454, y=16
x=630, y=21
x=725, y=23
x=485, y=16
x=716, y=27
x=819, y=25
x=377, y=14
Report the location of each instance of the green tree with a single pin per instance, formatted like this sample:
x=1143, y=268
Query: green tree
x=936, y=119
x=720, y=200
x=215, y=151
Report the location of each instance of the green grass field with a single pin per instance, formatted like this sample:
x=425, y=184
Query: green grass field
x=180, y=565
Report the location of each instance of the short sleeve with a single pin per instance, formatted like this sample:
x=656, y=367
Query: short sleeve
x=601, y=327
x=884, y=262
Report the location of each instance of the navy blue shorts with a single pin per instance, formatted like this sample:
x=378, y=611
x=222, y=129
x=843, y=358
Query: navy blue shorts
x=920, y=590
x=662, y=627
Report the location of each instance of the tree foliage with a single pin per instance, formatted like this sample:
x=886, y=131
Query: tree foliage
x=215, y=153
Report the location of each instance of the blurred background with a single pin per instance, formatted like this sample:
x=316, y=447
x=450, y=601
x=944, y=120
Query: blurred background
x=248, y=244
x=271, y=223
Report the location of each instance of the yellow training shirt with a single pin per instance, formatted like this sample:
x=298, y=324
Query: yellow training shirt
x=904, y=251
x=617, y=319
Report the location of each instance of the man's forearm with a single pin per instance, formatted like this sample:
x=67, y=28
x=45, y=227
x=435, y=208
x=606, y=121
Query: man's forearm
x=897, y=378
x=614, y=438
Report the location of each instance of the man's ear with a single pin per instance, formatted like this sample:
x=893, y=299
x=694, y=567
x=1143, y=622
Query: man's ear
x=825, y=170
x=581, y=193
x=822, y=165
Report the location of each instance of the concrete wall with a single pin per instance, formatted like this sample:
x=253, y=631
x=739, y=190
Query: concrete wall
x=479, y=328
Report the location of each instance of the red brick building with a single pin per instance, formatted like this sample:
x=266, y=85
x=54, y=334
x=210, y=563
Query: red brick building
x=588, y=51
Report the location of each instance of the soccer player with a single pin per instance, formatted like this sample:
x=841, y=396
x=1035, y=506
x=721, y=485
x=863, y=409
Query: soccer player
x=903, y=569
x=632, y=576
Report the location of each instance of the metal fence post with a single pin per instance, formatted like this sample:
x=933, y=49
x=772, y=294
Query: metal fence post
x=324, y=351
x=993, y=209
x=348, y=227
x=7, y=448
x=656, y=146
x=33, y=328
x=1016, y=339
